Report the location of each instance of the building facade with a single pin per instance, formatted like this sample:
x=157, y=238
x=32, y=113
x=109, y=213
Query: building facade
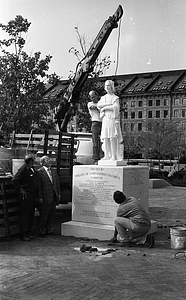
x=156, y=95
x=144, y=96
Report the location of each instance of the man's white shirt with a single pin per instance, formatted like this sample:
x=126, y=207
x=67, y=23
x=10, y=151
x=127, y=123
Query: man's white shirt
x=94, y=112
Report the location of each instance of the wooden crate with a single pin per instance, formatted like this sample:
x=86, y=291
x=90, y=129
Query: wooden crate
x=60, y=147
x=9, y=208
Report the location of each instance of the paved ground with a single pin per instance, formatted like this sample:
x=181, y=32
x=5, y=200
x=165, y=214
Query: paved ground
x=55, y=269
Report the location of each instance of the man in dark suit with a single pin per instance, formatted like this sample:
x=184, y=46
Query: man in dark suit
x=50, y=195
x=25, y=180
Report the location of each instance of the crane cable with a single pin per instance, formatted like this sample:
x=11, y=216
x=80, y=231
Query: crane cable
x=118, y=45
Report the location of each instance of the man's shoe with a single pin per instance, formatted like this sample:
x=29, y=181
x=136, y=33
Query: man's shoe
x=25, y=239
x=123, y=243
x=114, y=240
x=150, y=241
x=120, y=243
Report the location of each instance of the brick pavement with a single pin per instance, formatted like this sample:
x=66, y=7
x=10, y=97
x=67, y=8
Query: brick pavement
x=168, y=205
x=55, y=269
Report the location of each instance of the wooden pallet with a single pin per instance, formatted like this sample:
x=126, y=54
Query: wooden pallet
x=9, y=208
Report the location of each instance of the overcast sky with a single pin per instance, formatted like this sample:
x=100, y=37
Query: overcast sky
x=153, y=32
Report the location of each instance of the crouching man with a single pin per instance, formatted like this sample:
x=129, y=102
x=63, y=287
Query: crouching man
x=132, y=223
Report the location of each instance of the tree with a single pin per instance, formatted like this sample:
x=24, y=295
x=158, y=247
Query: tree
x=162, y=139
x=130, y=141
x=21, y=80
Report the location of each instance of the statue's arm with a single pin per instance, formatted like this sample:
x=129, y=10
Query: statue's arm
x=93, y=106
x=112, y=106
x=107, y=107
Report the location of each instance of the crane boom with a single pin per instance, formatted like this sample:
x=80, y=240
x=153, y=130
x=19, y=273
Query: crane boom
x=84, y=67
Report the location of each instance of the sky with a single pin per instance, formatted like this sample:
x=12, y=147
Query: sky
x=152, y=33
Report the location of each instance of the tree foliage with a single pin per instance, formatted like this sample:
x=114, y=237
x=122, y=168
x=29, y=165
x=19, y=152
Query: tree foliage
x=162, y=139
x=21, y=80
x=130, y=141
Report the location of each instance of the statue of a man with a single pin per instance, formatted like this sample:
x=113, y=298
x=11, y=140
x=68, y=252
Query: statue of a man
x=111, y=135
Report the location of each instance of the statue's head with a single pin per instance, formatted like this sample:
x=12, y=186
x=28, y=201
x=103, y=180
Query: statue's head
x=109, y=86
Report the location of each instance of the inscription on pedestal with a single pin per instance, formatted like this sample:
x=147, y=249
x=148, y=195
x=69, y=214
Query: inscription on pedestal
x=135, y=177
x=136, y=184
x=93, y=189
x=96, y=187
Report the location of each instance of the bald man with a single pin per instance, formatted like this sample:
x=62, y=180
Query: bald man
x=96, y=125
x=26, y=181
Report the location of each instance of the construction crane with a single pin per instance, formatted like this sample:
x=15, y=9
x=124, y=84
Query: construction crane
x=67, y=105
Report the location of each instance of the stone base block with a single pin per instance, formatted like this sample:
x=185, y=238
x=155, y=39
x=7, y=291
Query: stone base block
x=158, y=183
x=103, y=162
x=93, y=231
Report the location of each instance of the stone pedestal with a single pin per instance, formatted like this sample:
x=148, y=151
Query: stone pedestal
x=103, y=162
x=93, y=207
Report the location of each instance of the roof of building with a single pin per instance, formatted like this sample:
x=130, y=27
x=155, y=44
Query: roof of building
x=134, y=84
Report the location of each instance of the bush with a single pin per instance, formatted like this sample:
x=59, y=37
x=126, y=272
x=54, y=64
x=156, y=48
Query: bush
x=179, y=175
x=158, y=174
x=178, y=178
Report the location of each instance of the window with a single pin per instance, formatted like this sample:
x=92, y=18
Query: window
x=150, y=102
x=183, y=113
x=132, y=103
x=132, y=115
x=139, y=126
x=125, y=127
x=176, y=113
x=140, y=114
x=158, y=102
x=140, y=103
x=149, y=127
x=165, y=113
x=157, y=114
x=184, y=101
x=176, y=101
x=126, y=115
x=165, y=102
x=184, y=126
x=150, y=114
x=181, y=87
x=132, y=126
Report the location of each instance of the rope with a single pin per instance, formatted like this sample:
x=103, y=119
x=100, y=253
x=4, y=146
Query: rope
x=117, y=52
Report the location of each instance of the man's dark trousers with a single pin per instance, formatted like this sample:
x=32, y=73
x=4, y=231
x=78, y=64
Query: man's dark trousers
x=27, y=213
x=96, y=131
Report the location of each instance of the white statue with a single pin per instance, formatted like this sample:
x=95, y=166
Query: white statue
x=111, y=135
